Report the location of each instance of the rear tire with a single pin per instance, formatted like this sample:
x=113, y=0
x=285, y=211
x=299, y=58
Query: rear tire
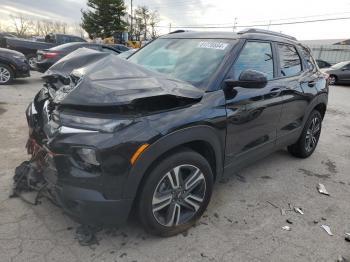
x=176, y=193
x=308, y=140
x=6, y=74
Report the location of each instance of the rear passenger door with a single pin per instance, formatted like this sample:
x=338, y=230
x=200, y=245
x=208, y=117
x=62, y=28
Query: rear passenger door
x=252, y=113
x=293, y=77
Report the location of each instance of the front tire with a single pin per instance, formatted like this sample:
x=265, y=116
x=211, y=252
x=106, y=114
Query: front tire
x=176, y=193
x=308, y=140
x=6, y=74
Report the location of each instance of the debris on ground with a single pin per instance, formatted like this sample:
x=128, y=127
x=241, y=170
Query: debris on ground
x=86, y=235
x=341, y=259
x=272, y=204
x=298, y=210
x=327, y=229
x=316, y=221
x=347, y=237
x=323, y=218
x=283, y=212
x=322, y=189
x=240, y=178
x=289, y=221
x=287, y=228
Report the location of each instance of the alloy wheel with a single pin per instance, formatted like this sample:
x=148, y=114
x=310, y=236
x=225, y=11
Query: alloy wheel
x=5, y=75
x=179, y=195
x=313, y=134
x=32, y=62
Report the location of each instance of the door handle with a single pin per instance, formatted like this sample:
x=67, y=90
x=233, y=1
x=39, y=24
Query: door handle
x=311, y=83
x=274, y=92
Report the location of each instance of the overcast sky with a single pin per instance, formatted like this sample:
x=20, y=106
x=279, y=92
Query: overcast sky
x=212, y=13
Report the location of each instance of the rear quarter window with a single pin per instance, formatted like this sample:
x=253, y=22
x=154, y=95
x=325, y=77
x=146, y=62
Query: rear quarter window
x=290, y=63
x=310, y=62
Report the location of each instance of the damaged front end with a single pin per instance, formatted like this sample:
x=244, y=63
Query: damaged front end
x=84, y=127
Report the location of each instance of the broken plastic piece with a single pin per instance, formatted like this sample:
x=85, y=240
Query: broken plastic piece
x=322, y=189
x=347, y=237
x=283, y=212
x=272, y=204
x=298, y=210
x=341, y=259
x=86, y=235
x=327, y=229
x=287, y=228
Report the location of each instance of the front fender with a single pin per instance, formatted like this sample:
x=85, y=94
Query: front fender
x=154, y=151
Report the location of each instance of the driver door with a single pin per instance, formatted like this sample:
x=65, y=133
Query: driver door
x=252, y=113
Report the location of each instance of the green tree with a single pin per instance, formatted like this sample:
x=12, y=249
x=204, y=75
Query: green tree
x=104, y=18
x=143, y=15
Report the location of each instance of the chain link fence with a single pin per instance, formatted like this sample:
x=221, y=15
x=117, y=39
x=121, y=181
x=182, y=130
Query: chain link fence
x=331, y=53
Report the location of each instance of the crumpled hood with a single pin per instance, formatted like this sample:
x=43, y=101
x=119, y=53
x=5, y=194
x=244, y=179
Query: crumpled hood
x=103, y=79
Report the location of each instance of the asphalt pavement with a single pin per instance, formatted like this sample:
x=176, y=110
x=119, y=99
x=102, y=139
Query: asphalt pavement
x=242, y=223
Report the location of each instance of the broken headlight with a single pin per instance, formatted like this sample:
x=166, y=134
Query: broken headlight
x=93, y=123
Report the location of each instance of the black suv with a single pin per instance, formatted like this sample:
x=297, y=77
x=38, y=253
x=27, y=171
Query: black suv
x=155, y=132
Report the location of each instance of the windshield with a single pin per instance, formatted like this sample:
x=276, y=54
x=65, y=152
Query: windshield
x=340, y=65
x=191, y=60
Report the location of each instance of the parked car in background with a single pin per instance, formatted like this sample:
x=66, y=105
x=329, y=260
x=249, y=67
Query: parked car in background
x=6, y=34
x=339, y=73
x=13, y=64
x=30, y=47
x=47, y=57
x=155, y=132
x=119, y=47
x=322, y=64
x=127, y=54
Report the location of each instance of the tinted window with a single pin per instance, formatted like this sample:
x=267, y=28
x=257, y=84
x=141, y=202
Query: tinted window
x=255, y=56
x=289, y=59
x=310, y=62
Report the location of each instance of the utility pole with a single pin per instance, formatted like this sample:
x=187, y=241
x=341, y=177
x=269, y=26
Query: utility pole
x=268, y=27
x=235, y=25
x=131, y=22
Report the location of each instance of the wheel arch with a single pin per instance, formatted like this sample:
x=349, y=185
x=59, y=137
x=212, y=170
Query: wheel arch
x=321, y=107
x=202, y=139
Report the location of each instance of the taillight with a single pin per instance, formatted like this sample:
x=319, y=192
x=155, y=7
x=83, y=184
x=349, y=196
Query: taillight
x=50, y=54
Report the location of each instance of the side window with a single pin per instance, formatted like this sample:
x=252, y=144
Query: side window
x=289, y=59
x=346, y=67
x=310, y=62
x=256, y=56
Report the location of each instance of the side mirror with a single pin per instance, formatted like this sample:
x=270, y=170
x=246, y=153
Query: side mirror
x=248, y=79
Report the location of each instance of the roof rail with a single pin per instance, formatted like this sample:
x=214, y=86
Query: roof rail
x=177, y=31
x=267, y=32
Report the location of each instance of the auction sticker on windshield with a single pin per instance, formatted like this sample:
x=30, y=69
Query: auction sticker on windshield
x=213, y=45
